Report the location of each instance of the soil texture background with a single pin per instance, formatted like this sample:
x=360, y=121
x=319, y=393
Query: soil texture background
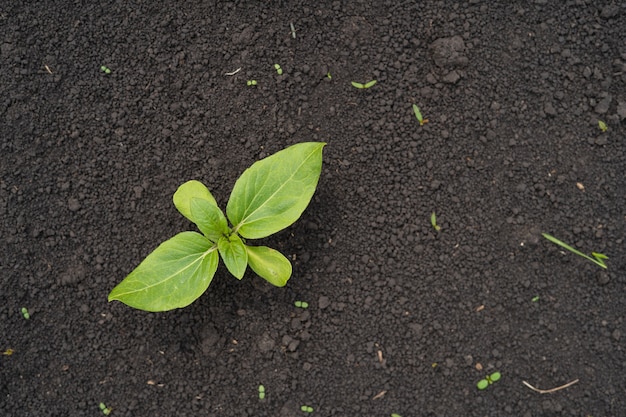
x=402, y=318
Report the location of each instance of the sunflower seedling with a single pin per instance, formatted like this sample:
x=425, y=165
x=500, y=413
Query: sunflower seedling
x=598, y=258
x=268, y=197
x=301, y=304
x=418, y=115
x=105, y=410
x=364, y=86
x=105, y=69
x=603, y=127
x=25, y=313
x=489, y=379
x=433, y=222
x=278, y=69
x=261, y=392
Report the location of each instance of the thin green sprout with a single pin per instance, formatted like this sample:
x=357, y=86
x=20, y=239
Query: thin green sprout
x=433, y=222
x=598, y=258
x=418, y=115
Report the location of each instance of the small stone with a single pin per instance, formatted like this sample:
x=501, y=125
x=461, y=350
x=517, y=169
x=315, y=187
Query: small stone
x=621, y=109
x=603, y=106
x=323, y=302
x=266, y=343
x=616, y=335
x=452, y=77
x=73, y=204
x=609, y=11
x=549, y=109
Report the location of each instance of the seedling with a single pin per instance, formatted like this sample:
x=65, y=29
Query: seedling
x=278, y=69
x=268, y=197
x=250, y=83
x=535, y=299
x=25, y=313
x=105, y=410
x=8, y=352
x=418, y=115
x=603, y=127
x=301, y=304
x=598, y=258
x=105, y=69
x=330, y=77
x=433, y=221
x=489, y=379
x=396, y=415
x=261, y=392
x=364, y=86
x=306, y=409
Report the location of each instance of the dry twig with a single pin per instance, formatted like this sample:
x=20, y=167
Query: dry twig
x=549, y=391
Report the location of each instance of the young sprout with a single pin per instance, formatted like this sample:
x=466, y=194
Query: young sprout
x=330, y=77
x=261, y=392
x=489, y=379
x=363, y=86
x=278, y=69
x=395, y=415
x=25, y=313
x=433, y=221
x=598, y=258
x=105, y=410
x=535, y=299
x=8, y=352
x=301, y=304
x=105, y=69
x=603, y=127
x=418, y=115
x=250, y=83
x=306, y=409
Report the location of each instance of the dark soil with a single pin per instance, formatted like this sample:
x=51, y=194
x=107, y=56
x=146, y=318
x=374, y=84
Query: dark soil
x=401, y=317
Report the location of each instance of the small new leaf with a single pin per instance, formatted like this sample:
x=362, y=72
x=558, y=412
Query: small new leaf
x=186, y=192
x=209, y=219
x=234, y=254
x=363, y=86
x=603, y=127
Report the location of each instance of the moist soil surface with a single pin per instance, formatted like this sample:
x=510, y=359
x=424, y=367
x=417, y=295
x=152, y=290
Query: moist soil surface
x=402, y=318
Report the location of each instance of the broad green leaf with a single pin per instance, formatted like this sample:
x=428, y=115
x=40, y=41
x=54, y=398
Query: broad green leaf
x=174, y=275
x=188, y=191
x=209, y=219
x=269, y=264
x=273, y=192
x=233, y=253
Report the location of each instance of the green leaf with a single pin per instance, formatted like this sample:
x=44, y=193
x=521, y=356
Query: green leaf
x=357, y=85
x=174, y=275
x=482, y=384
x=418, y=113
x=370, y=84
x=188, y=191
x=273, y=192
x=234, y=254
x=269, y=264
x=596, y=260
x=209, y=219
